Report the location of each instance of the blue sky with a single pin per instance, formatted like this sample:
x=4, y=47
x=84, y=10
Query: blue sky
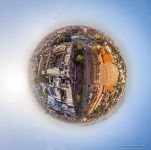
x=23, y=24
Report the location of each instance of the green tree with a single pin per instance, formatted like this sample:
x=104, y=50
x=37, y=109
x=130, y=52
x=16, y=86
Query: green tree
x=46, y=92
x=95, y=50
x=40, y=79
x=80, y=48
x=78, y=97
x=79, y=59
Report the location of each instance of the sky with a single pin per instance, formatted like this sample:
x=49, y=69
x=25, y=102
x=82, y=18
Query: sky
x=23, y=24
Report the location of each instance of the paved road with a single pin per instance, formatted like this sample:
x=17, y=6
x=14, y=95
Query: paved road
x=87, y=73
x=87, y=70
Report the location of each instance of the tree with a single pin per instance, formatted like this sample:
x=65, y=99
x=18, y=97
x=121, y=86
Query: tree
x=95, y=49
x=79, y=59
x=80, y=48
x=40, y=79
x=78, y=97
x=46, y=92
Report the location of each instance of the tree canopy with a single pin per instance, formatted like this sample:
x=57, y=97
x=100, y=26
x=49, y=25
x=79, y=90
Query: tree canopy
x=79, y=59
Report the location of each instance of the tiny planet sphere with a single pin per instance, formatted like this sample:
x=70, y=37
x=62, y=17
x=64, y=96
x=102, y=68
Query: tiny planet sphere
x=77, y=74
